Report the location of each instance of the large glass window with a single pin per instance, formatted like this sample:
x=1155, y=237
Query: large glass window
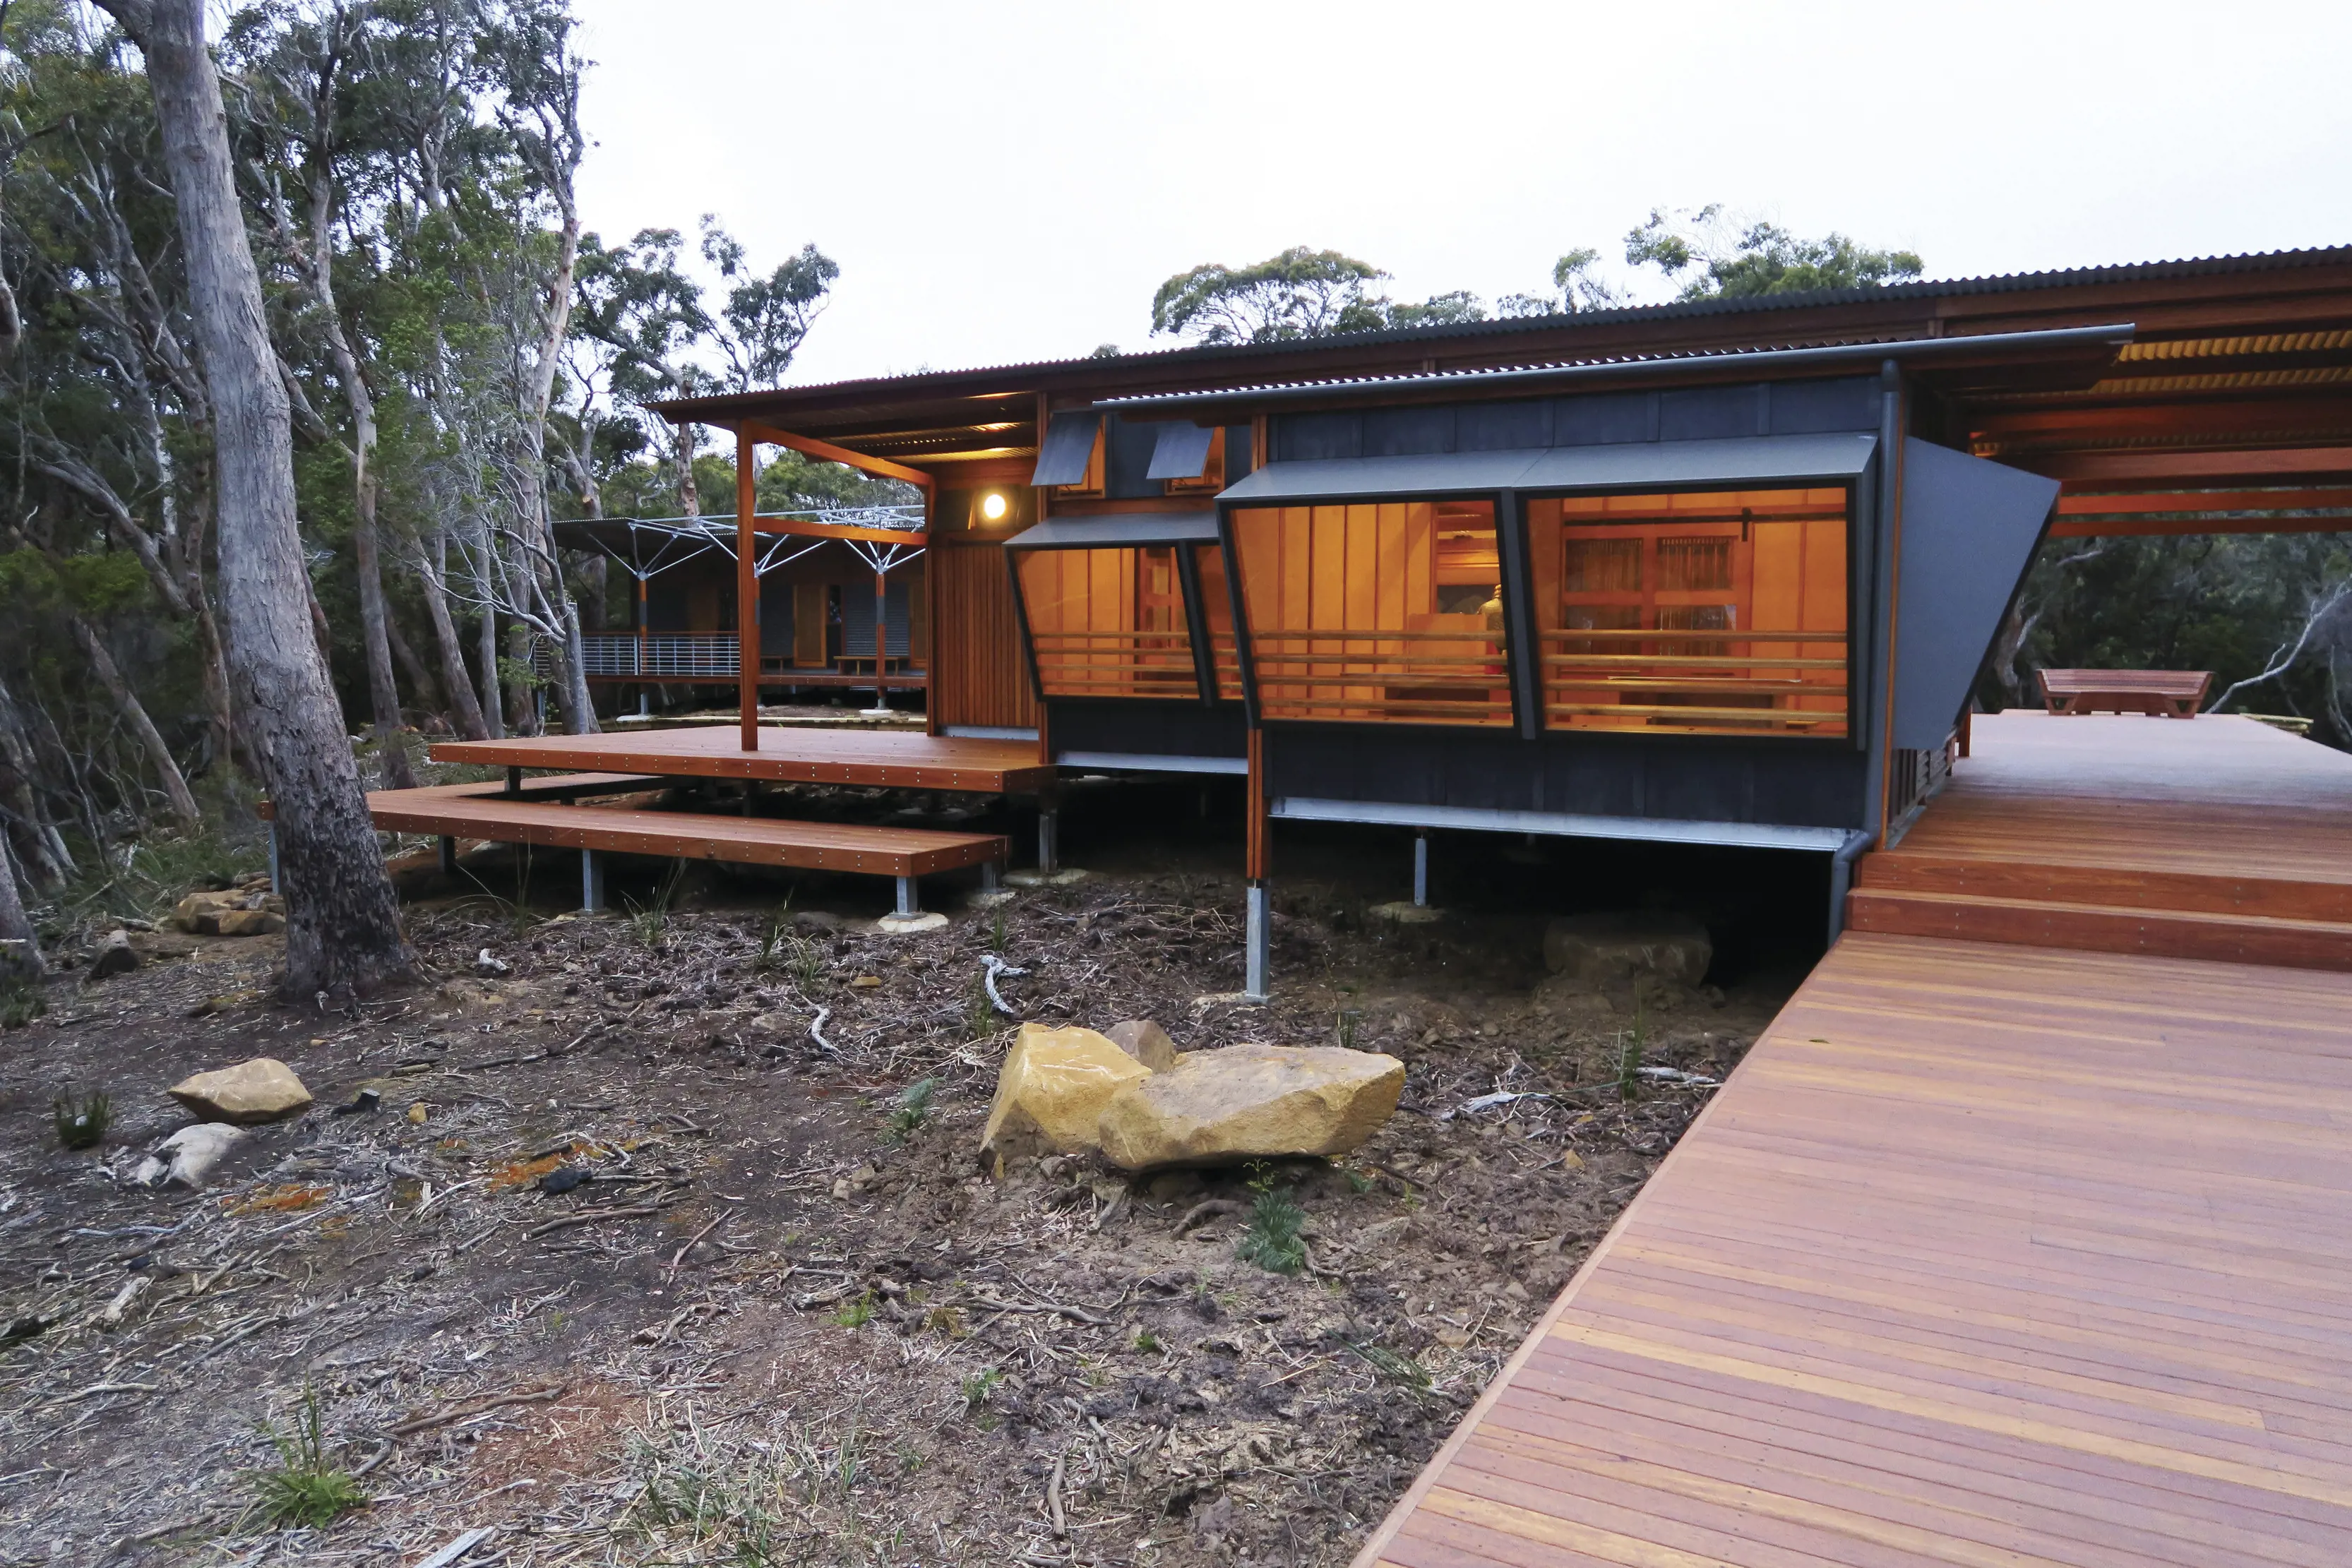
x=1107, y=623
x=1385, y=612
x=1719, y=611
x=1217, y=612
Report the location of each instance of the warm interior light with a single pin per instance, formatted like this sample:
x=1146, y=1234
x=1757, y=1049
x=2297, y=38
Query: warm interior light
x=992, y=506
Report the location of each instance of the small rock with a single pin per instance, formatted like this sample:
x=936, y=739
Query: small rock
x=1516, y=1291
x=909, y=924
x=489, y=964
x=816, y=920
x=557, y=1182
x=416, y=1112
x=1251, y=1102
x=262, y=1089
x=361, y=1103
x=1406, y=912
x=1612, y=949
x=195, y=913
x=1146, y=1042
x=115, y=955
x=1051, y=1089
x=866, y=983
x=187, y=1158
x=1453, y=1338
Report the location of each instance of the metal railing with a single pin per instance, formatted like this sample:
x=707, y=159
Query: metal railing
x=672, y=655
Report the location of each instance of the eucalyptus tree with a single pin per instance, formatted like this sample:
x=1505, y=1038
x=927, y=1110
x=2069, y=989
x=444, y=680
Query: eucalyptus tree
x=344, y=933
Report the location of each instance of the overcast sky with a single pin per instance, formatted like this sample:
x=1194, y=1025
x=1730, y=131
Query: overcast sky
x=1009, y=181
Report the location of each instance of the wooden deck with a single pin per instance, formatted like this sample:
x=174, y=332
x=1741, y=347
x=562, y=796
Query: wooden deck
x=1987, y=1255
x=871, y=757
x=2219, y=838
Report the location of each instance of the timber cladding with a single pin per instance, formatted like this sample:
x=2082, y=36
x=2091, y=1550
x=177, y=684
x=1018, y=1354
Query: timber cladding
x=978, y=673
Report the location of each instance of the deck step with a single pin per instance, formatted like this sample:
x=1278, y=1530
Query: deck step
x=686, y=835
x=2046, y=881
x=2105, y=927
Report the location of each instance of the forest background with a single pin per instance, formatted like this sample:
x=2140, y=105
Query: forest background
x=467, y=364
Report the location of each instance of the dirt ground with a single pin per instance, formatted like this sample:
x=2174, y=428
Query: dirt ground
x=787, y=1318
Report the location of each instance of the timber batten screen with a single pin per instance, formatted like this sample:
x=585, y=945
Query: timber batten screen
x=1378, y=612
x=1719, y=611
x=1109, y=622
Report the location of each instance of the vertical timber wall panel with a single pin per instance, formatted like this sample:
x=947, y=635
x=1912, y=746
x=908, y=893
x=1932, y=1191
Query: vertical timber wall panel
x=978, y=675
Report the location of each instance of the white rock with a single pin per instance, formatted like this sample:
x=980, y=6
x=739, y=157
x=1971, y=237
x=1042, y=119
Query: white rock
x=187, y=1158
x=1610, y=949
x=488, y=964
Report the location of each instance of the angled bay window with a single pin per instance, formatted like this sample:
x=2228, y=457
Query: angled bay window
x=1107, y=623
x=1382, y=611
x=1710, y=610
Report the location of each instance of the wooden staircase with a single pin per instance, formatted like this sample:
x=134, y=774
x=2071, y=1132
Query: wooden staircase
x=2304, y=925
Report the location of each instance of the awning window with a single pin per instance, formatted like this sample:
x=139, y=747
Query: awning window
x=1064, y=455
x=1639, y=465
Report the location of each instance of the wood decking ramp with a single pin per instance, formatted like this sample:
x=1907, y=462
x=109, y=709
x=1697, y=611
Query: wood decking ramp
x=1986, y=1255
x=448, y=811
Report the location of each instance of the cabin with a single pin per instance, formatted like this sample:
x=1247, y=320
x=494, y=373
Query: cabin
x=1718, y=572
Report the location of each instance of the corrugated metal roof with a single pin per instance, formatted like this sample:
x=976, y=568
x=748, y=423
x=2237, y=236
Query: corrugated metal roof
x=1764, y=304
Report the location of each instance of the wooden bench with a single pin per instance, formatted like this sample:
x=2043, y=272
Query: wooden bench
x=452, y=812
x=2168, y=694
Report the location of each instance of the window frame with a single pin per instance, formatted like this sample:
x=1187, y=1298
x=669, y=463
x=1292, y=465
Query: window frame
x=1189, y=592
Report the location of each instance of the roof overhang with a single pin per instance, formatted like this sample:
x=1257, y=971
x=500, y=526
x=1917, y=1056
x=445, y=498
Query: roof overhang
x=1120, y=530
x=1629, y=466
x=2058, y=360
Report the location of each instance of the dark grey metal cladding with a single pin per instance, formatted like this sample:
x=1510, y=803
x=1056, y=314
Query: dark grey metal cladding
x=1600, y=419
x=1069, y=444
x=1147, y=727
x=1970, y=531
x=1181, y=451
x=1667, y=778
x=1838, y=457
x=1120, y=531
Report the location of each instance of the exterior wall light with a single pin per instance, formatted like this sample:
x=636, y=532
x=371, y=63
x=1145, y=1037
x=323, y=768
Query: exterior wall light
x=993, y=505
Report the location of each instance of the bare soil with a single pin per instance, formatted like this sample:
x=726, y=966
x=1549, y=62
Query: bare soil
x=787, y=1318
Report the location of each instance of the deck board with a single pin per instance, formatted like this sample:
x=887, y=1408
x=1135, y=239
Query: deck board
x=1985, y=1255
x=862, y=757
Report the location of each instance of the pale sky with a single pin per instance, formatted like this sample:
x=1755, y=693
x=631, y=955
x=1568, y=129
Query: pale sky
x=1008, y=182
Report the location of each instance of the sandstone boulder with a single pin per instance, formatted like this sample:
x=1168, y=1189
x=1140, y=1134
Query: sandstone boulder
x=1051, y=1089
x=1146, y=1042
x=246, y=923
x=262, y=1089
x=1620, y=948
x=238, y=911
x=1250, y=1101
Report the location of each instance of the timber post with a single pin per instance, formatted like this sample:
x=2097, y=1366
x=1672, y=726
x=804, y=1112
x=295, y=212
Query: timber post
x=747, y=587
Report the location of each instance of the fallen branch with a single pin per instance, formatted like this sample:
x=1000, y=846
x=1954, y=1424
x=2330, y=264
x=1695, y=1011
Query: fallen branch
x=816, y=1032
x=457, y=1548
x=474, y=1407
x=1210, y=1208
x=95, y=1389
x=995, y=967
x=724, y=1215
x=636, y=1211
x=1075, y=1314
x=1053, y=1495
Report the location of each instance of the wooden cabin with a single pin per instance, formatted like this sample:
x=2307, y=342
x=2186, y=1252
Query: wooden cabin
x=1716, y=573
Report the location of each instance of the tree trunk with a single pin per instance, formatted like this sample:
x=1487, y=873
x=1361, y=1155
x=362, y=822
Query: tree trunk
x=20, y=945
x=689, y=499
x=344, y=935
x=522, y=699
x=419, y=677
x=465, y=708
x=39, y=847
x=177, y=792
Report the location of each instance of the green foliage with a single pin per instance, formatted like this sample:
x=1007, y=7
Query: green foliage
x=304, y=1487
x=95, y=585
x=1271, y=1238
x=999, y=930
x=1146, y=1342
x=1401, y=1370
x=649, y=921
x=978, y=1387
x=855, y=1314
x=82, y=1121
x=1728, y=259
x=1629, y=1055
x=21, y=1001
x=1299, y=293
x=911, y=1108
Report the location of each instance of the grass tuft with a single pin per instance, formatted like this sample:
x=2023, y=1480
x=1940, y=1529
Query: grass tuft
x=304, y=1487
x=82, y=1121
x=649, y=921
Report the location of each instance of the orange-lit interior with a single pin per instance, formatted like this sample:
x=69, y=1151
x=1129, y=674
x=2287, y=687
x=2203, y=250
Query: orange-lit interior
x=1217, y=611
x=1107, y=623
x=1719, y=611
x=1381, y=612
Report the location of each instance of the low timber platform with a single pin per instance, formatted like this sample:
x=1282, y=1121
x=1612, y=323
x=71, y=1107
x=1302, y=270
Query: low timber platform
x=2026, y=1252
x=2219, y=838
x=873, y=758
